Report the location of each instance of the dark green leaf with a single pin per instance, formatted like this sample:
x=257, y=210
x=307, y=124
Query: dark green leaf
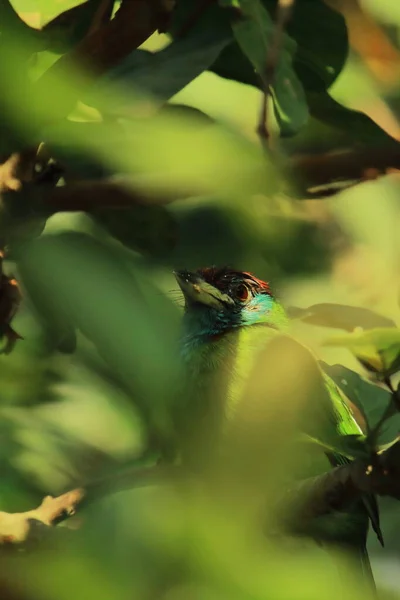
x=360, y=128
x=254, y=34
x=322, y=42
x=233, y=64
x=322, y=47
x=164, y=73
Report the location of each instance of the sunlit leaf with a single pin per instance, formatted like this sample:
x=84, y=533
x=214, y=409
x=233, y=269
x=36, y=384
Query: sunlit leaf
x=377, y=349
x=371, y=399
x=350, y=446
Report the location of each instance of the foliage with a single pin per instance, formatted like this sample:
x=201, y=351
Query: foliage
x=118, y=166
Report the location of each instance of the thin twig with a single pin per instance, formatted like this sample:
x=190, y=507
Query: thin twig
x=284, y=11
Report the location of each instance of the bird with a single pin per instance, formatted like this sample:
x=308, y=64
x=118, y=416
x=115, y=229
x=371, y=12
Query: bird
x=230, y=315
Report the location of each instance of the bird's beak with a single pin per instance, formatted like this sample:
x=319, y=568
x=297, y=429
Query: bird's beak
x=198, y=291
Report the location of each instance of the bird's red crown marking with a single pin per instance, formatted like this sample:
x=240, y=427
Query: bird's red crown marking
x=263, y=284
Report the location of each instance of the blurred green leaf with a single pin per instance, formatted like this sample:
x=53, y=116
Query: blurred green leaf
x=378, y=349
x=171, y=152
x=11, y=22
x=89, y=283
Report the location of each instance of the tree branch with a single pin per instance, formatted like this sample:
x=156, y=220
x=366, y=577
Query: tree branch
x=88, y=196
x=304, y=501
x=342, y=168
x=106, y=46
x=318, y=496
x=16, y=528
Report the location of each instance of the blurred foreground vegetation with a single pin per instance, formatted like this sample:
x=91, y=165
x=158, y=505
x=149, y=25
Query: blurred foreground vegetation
x=91, y=385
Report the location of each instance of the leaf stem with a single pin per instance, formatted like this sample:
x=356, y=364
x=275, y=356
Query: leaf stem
x=284, y=11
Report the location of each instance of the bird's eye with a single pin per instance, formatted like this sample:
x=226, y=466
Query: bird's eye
x=242, y=293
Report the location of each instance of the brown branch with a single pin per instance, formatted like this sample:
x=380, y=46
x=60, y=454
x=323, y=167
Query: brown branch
x=15, y=527
x=134, y=22
x=318, y=496
x=88, y=196
x=303, y=502
x=101, y=16
x=320, y=175
x=193, y=17
x=18, y=168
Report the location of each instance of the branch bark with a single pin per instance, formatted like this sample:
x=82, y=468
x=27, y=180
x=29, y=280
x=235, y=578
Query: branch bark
x=16, y=528
x=91, y=195
x=333, y=491
x=106, y=46
x=313, y=172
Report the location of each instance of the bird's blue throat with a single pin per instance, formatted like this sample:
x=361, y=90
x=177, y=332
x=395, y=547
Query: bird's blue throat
x=204, y=325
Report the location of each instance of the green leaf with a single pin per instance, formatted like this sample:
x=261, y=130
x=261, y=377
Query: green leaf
x=320, y=34
x=371, y=399
x=351, y=446
x=164, y=73
x=322, y=42
x=340, y=316
x=358, y=126
x=378, y=349
x=254, y=34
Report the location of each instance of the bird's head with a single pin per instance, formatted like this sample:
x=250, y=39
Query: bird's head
x=220, y=299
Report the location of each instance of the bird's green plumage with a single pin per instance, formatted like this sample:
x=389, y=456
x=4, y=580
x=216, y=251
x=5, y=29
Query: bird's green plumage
x=221, y=344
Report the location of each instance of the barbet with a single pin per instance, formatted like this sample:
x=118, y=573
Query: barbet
x=229, y=317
